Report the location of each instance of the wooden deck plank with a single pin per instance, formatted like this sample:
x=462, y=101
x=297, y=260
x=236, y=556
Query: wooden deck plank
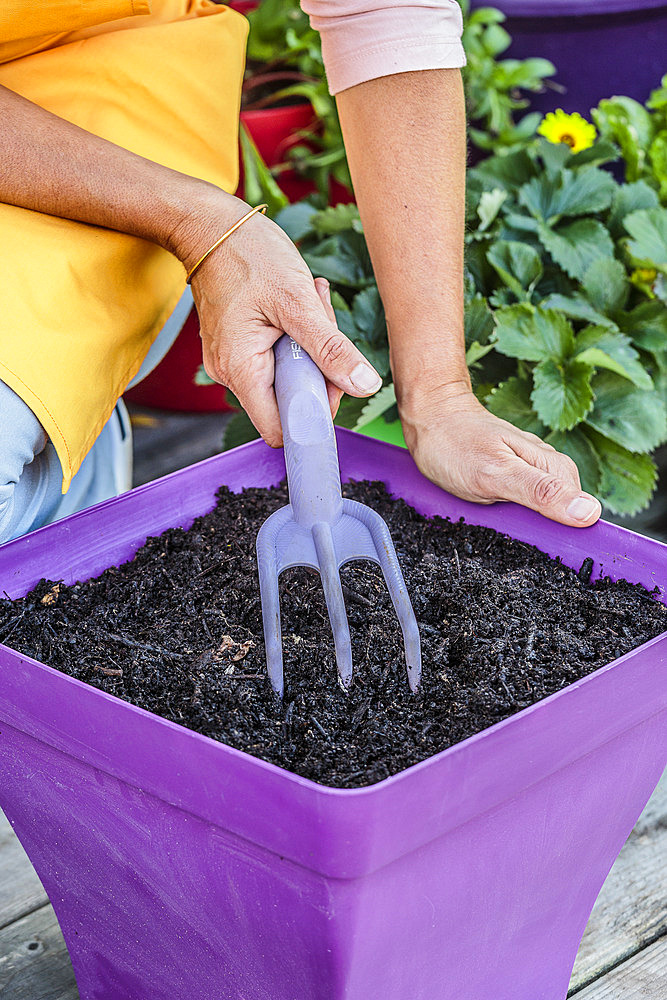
x=642, y=977
x=20, y=889
x=631, y=910
x=34, y=964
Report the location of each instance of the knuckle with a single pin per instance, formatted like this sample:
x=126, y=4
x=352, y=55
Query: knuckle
x=484, y=478
x=547, y=490
x=216, y=369
x=332, y=349
x=273, y=439
x=570, y=466
x=290, y=301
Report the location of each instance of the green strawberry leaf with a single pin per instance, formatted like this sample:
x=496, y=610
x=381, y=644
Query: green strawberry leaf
x=604, y=348
x=627, y=480
x=634, y=418
x=368, y=315
x=606, y=284
x=549, y=198
x=576, y=307
x=479, y=323
x=337, y=219
x=365, y=326
x=576, y=245
x=511, y=401
x=258, y=181
x=562, y=393
x=527, y=72
x=505, y=171
x=646, y=325
x=628, y=123
x=554, y=155
x=600, y=152
x=349, y=411
x=337, y=263
x=202, y=378
x=476, y=352
x=533, y=334
x=648, y=227
x=518, y=265
x=515, y=222
x=297, y=220
x=489, y=205
x=575, y=444
x=629, y=198
x=657, y=154
x=378, y=404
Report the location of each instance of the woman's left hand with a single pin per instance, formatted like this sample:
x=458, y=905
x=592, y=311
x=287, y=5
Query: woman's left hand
x=477, y=456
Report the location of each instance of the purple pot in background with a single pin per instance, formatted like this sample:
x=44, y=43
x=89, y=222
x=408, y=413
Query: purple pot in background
x=179, y=867
x=599, y=47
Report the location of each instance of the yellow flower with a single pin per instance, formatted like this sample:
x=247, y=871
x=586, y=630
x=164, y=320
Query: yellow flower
x=647, y=275
x=572, y=129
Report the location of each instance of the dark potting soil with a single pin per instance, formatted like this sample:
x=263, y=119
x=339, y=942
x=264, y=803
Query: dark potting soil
x=178, y=631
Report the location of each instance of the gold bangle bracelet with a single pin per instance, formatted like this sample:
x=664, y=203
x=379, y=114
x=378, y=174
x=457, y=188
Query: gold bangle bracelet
x=248, y=215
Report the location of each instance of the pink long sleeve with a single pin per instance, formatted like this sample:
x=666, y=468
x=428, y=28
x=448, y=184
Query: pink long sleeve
x=364, y=39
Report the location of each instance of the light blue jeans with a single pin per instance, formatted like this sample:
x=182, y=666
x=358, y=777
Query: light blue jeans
x=30, y=471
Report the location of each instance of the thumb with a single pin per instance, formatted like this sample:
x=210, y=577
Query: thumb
x=305, y=319
x=552, y=495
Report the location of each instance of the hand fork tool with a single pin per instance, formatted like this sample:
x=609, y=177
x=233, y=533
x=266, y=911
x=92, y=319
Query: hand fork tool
x=318, y=528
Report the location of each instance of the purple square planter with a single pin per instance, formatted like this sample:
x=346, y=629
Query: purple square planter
x=179, y=867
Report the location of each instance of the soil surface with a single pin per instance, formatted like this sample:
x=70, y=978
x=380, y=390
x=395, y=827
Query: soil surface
x=178, y=631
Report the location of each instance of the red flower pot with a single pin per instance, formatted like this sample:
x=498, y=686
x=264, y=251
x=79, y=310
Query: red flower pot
x=243, y=6
x=274, y=131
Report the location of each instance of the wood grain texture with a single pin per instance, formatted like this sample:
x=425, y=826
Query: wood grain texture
x=34, y=964
x=642, y=977
x=631, y=910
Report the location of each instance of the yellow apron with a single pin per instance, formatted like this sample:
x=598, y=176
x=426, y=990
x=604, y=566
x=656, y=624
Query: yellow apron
x=81, y=305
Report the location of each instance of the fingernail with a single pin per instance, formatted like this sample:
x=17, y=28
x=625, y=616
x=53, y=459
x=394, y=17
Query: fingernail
x=364, y=378
x=582, y=507
x=327, y=292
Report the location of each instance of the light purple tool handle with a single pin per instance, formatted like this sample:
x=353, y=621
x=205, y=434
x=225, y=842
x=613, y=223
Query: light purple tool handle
x=311, y=456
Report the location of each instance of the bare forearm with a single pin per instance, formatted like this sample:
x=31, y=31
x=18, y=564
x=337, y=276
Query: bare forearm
x=405, y=139
x=51, y=166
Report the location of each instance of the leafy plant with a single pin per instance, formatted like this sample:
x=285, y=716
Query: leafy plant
x=640, y=131
x=566, y=276
x=285, y=64
x=496, y=88
x=585, y=341
x=562, y=338
x=259, y=184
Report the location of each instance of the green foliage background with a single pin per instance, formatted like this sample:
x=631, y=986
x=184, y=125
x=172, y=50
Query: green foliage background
x=566, y=265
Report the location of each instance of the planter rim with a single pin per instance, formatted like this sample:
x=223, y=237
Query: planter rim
x=575, y=8
x=225, y=786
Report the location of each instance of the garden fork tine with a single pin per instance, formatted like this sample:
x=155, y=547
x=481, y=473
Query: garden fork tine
x=318, y=528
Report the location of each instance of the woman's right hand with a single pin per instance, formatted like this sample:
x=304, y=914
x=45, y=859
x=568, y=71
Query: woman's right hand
x=248, y=292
